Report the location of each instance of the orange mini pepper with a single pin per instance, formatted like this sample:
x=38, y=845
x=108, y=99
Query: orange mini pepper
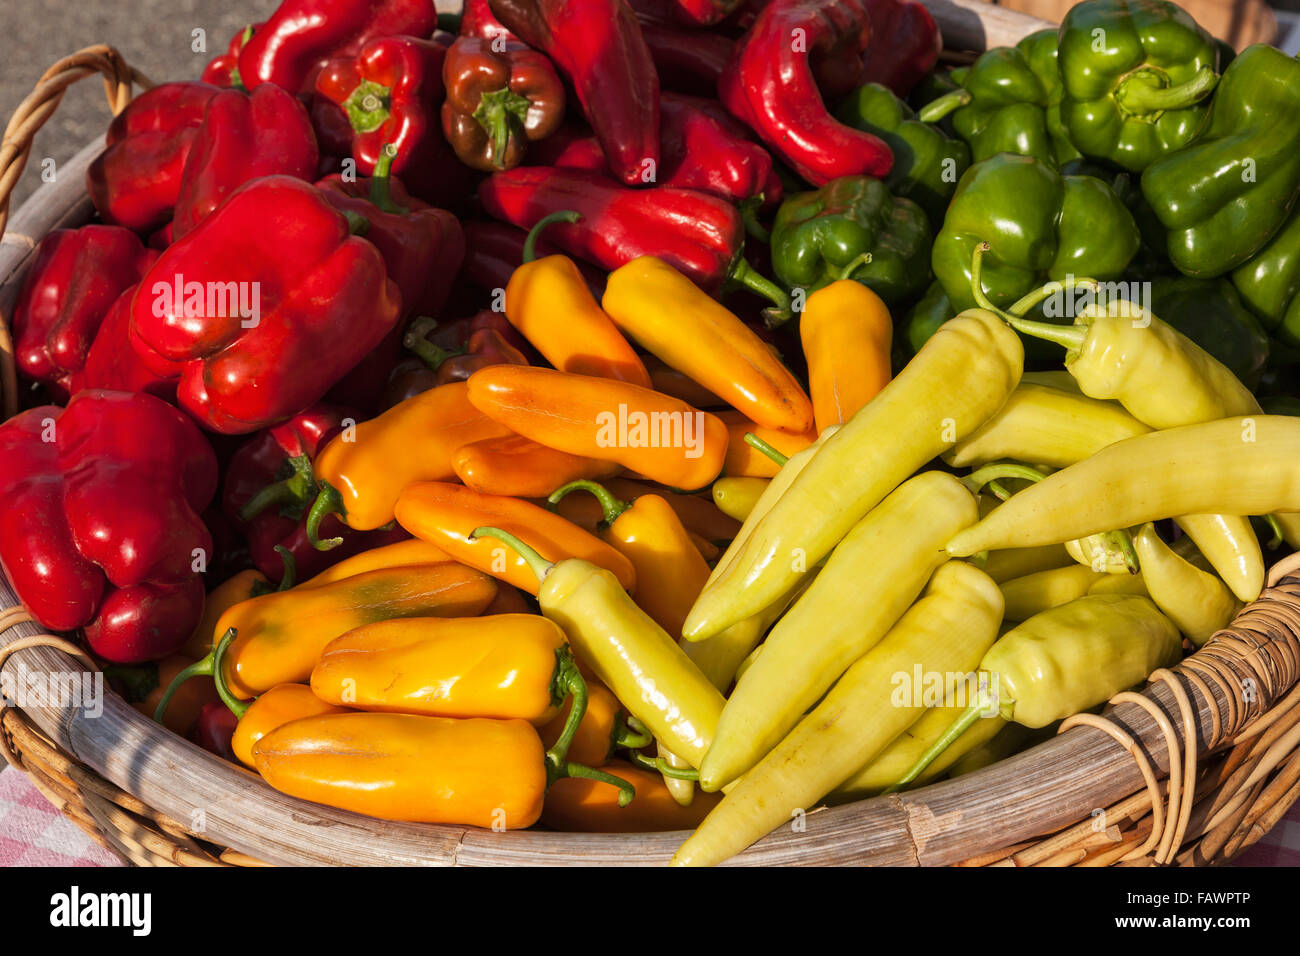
x=447, y=515
x=362, y=470
x=747, y=459
x=280, y=635
x=655, y=435
x=673, y=318
x=548, y=301
x=272, y=710
x=584, y=806
x=503, y=666
x=698, y=514
x=847, y=334
x=664, y=378
x=520, y=467
x=236, y=588
x=400, y=554
x=670, y=572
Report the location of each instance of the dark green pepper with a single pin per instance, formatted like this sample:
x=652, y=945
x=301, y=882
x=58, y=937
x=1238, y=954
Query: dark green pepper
x=1270, y=282
x=927, y=164
x=1225, y=196
x=1212, y=314
x=1137, y=77
x=824, y=235
x=922, y=320
x=1039, y=224
x=1016, y=103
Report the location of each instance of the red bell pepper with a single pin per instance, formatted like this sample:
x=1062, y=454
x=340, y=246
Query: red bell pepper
x=312, y=301
x=244, y=136
x=773, y=83
x=99, y=520
x=113, y=364
x=699, y=152
x=698, y=234
x=688, y=61
x=269, y=486
x=76, y=277
x=598, y=45
x=391, y=93
x=135, y=181
x=905, y=44
x=301, y=35
x=501, y=96
x=223, y=70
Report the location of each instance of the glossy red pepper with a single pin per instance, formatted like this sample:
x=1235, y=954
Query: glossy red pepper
x=391, y=93
x=113, y=364
x=688, y=61
x=905, y=44
x=99, y=520
x=776, y=85
x=598, y=45
x=699, y=150
x=214, y=731
x=617, y=224
x=313, y=300
x=301, y=35
x=136, y=180
x=74, y=280
x=478, y=20
x=223, y=70
x=243, y=136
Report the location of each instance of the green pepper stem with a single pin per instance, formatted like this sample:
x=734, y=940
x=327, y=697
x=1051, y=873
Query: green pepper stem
x=292, y=491
x=237, y=706
x=570, y=769
x=936, y=110
x=501, y=113
x=530, y=244
x=659, y=765
x=290, y=576
x=990, y=473
x=1031, y=299
x=536, y=563
x=381, y=195
x=955, y=730
x=1071, y=336
x=328, y=501
x=749, y=216
x=623, y=736
x=415, y=341
x=753, y=441
x=1140, y=93
x=610, y=504
x=237, y=81
x=567, y=682
x=852, y=267
x=1279, y=536
x=1122, y=541
x=746, y=275
x=358, y=224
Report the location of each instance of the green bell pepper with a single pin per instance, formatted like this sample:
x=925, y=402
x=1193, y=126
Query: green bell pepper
x=1016, y=103
x=1039, y=224
x=1212, y=314
x=922, y=320
x=1225, y=196
x=823, y=235
x=1137, y=75
x=927, y=164
x=1270, y=282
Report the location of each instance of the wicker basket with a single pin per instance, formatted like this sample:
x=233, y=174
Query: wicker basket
x=1191, y=771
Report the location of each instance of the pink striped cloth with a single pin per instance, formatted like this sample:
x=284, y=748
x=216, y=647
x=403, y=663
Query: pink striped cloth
x=33, y=833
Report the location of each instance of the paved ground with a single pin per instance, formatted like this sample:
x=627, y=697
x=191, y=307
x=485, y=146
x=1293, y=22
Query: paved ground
x=155, y=36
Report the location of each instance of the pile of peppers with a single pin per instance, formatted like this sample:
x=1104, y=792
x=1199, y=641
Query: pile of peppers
x=579, y=413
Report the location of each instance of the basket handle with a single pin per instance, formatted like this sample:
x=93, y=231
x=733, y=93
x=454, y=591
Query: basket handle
x=16, y=147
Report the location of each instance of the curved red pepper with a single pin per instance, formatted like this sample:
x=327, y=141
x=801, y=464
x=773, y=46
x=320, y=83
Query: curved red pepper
x=76, y=277
x=99, y=520
x=322, y=300
x=698, y=234
x=773, y=83
x=688, y=61
x=905, y=44
x=391, y=93
x=301, y=35
x=598, y=45
x=244, y=136
x=135, y=181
